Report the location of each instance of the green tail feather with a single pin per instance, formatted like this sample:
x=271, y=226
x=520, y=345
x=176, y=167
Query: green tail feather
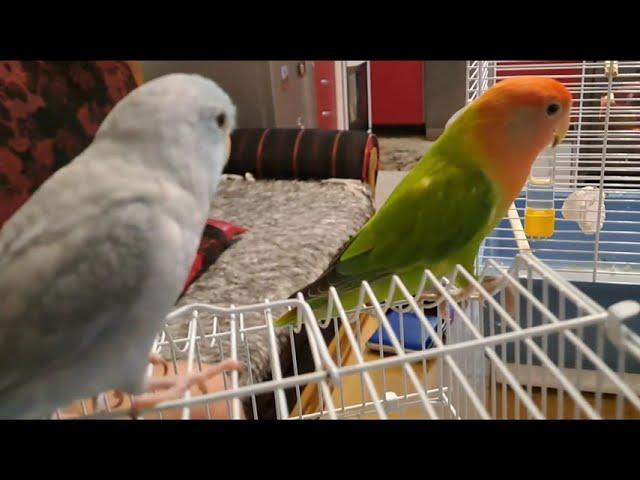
x=288, y=318
x=349, y=299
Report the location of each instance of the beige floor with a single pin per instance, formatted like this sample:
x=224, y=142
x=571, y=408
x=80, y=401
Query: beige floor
x=401, y=153
x=553, y=402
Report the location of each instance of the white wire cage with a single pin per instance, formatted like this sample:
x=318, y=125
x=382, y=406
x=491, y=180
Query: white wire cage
x=601, y=152
x=516, y=347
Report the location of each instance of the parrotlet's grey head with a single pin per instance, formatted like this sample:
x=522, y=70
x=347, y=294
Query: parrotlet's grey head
x=179, y=124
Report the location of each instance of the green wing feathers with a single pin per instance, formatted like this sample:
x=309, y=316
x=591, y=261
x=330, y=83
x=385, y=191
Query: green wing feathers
x=435, y=217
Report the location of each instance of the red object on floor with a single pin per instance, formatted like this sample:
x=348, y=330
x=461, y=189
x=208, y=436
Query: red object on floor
x=217, y=236
x=324, y=78
x=397, y=92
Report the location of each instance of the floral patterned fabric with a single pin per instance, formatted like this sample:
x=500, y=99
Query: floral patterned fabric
x=49, y=113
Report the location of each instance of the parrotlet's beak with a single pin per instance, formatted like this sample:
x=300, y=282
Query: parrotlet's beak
x=227, y=144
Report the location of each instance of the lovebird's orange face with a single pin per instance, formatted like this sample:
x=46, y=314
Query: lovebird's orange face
x=515, y=120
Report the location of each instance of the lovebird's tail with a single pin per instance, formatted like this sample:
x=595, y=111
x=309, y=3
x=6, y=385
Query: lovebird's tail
x=350, y=298
x=319, y=306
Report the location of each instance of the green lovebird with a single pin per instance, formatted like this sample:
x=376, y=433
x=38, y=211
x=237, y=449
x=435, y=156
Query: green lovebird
x=439, y=214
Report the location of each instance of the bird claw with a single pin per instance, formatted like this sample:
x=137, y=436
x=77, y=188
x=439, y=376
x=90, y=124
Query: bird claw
x=175, y=387
x=490, y=285
x=156, y=359
x=119, y=395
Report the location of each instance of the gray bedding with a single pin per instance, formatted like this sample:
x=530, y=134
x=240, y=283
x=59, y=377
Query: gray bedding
x=295, y=228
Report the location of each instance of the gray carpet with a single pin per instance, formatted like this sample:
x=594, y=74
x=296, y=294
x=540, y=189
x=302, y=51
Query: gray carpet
x=295, y=228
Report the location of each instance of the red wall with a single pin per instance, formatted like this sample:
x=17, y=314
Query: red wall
x=397, y=88
x=324, y=79
x=397, y=92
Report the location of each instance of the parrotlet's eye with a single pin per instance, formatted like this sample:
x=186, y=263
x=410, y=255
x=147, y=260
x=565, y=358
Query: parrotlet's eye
x=221, y=120
x=553, y=109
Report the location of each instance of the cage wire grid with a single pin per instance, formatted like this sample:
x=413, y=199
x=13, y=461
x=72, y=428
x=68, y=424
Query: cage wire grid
x=470, y=371
x=601, y=150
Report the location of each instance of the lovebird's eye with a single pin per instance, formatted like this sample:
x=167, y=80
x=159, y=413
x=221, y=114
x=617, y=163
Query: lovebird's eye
x=552, y=109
